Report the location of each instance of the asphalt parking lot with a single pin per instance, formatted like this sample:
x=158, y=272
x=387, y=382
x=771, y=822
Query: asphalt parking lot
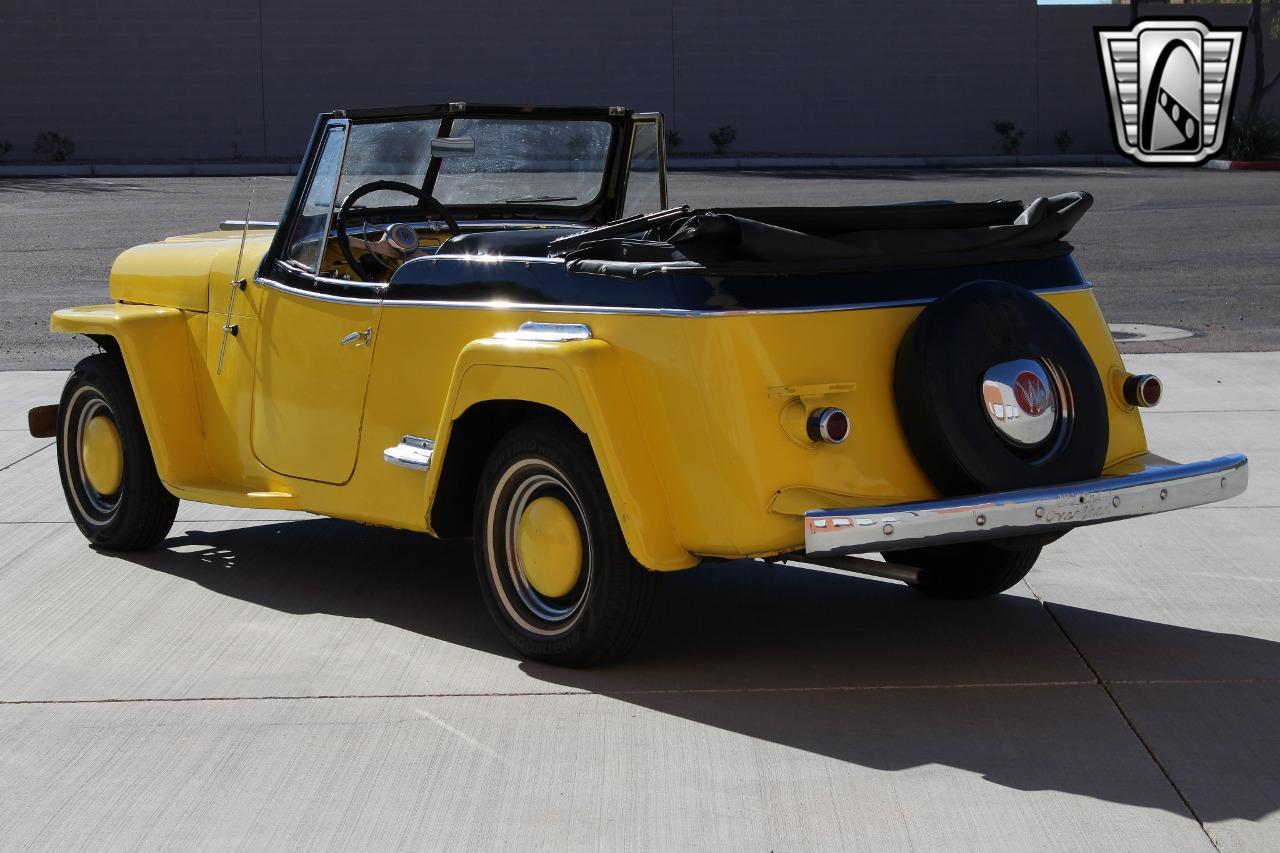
x=1192, y=249
x=281, y=681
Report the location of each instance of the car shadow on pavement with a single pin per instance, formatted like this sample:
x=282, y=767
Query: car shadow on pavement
x=857, y=670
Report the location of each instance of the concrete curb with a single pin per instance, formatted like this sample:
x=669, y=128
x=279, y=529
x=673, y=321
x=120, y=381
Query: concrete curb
x=144, y=170
x=1244, y=165
x=961, y=162
x=680, y=164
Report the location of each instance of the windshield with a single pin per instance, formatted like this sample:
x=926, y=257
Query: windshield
x=526, y=161
x=516, y=161
x=388, y=151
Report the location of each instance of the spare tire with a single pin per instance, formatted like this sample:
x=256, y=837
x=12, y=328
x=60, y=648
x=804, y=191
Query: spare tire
x=995, y=391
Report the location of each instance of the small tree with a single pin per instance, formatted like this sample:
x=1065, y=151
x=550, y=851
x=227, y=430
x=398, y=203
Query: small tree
x=674, y=140
x=55, y=146
x=1263, y=25
x=1257, y=26
x=1010, y=136
x=722, y=137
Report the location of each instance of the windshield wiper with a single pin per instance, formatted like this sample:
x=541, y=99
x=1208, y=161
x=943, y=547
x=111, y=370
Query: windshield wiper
x=526, y=199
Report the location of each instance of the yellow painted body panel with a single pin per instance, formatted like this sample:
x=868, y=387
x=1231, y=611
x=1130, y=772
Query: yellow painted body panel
x=691, y=418
x=176, y=272
x=308, y=396
x=155, y=343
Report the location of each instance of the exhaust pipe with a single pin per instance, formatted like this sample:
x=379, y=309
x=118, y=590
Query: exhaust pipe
x=863, y=566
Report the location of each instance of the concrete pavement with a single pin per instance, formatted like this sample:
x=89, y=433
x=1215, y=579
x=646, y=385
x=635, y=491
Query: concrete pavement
x=288, y=682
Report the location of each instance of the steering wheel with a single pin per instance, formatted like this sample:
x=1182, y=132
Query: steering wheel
x=425, y=201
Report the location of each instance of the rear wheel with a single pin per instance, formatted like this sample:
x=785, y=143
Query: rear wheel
x=555, y=571
x=105, y=463
x=969, y=569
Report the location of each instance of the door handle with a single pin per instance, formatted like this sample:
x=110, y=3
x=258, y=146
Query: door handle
x=363, y=337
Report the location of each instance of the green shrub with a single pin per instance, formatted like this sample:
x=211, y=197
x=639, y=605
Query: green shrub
x=674, y=139
x=722, y=137
x=55, y=146
x=1010, y=136
x=1254, y=139
x=1063, y=141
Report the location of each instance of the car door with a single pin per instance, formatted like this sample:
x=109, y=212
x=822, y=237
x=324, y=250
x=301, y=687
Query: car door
x=316, y=346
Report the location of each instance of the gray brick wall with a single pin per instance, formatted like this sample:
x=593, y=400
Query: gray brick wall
x=148, y=80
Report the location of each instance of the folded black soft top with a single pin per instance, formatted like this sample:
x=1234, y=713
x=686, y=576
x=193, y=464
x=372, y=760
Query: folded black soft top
x=775, y=241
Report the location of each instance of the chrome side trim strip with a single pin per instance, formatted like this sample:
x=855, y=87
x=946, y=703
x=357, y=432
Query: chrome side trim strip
x=599, y=309
x=1157, y=486
x=251, y=224
x=412, y=452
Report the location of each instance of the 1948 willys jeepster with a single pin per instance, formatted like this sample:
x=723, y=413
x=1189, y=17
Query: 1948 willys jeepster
x=483, y=321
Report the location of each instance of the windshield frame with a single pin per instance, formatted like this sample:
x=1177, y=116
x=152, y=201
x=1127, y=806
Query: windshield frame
x=605, y=207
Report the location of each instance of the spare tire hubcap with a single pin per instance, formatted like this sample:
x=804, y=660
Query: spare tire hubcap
x=1021, y=402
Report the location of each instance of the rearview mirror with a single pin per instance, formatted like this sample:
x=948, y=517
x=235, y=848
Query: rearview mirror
x=458, y=146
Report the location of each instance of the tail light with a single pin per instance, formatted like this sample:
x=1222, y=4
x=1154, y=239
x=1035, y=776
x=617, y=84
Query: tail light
x=1142, y=390
x=828, y=424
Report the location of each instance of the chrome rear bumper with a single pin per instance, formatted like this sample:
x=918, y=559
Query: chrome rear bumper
x=1152, y=485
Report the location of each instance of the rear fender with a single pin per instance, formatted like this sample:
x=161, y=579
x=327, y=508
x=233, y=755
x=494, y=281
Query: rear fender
x=154, y=343
x=583, y=380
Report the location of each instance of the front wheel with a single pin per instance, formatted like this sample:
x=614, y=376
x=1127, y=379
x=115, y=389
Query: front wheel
x=555, y=571
x=105, y=463
x=969, y=569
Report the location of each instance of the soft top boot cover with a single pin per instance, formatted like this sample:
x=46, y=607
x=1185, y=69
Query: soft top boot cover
x=730, y=243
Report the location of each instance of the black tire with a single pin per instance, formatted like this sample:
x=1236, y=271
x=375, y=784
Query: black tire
x=140, y=511
x=938, y=389
x=968, y=569
x=601, y=617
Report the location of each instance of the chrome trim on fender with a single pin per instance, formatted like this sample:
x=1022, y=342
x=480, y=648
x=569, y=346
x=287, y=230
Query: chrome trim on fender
x=412, y=452
x=251, y=224
x=553, y=332
x=1157, y=485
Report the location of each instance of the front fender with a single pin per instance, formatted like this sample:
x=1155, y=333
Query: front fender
x=584, y=381
x=155, y=344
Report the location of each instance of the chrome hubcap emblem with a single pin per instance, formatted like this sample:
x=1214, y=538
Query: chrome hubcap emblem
x=1020, y=400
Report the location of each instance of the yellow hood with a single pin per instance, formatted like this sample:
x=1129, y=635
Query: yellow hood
x=177, y=272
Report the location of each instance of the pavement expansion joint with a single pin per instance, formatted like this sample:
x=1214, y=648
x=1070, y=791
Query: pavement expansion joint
x=1106, y=686
x=28, y=456
x=837, y=688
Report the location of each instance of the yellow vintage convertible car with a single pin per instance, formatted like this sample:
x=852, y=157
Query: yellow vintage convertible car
x=485, y=321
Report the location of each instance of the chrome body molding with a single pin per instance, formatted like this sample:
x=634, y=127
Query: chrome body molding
x=412, y=452
x=251, y=224
x=1154, y=485
x=377, y=292
x=555, y=332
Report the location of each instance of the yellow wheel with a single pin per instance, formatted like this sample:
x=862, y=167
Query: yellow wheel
x=555, y=571
x=549, y=547
x=105, y=462
x=101, y=454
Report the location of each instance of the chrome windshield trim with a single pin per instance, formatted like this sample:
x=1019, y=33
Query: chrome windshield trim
x=533, y=307
x=1156, y=485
